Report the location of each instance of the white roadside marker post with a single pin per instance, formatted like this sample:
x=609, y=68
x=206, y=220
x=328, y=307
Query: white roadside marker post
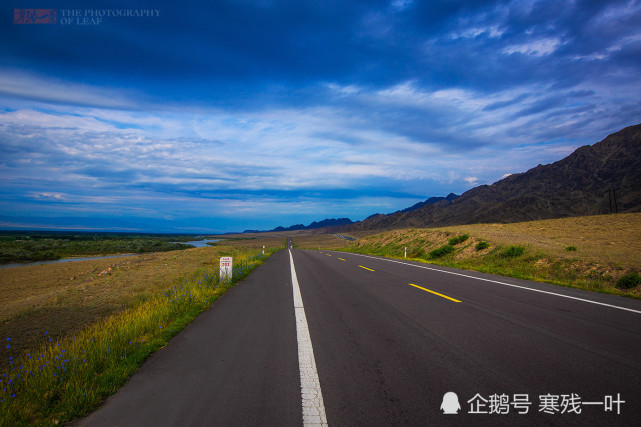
x=263, y=249
x=226, y=268
x=405, y=251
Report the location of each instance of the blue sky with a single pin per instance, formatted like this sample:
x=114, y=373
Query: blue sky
x=252, y=114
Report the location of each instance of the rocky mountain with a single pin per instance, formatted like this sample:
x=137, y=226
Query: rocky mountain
x=417, y=206
x=594, y=179
x=430, y=201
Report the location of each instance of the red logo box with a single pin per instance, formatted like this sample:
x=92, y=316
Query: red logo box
x=35, y=16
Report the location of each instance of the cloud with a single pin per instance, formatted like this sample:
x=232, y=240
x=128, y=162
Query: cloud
x=28, y=85
x=492, y=32
x=247, y=153
x=401, y=5
x=295, y=108
x=539, y=47
x=49, y=196
x=471, y=180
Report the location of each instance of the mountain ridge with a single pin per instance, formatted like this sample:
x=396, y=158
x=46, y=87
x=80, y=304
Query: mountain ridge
x=579, y=184
x=604, y=177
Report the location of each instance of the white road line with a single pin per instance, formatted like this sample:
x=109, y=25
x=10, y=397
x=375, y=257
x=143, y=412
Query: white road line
x=312, y=397
x=502, y=283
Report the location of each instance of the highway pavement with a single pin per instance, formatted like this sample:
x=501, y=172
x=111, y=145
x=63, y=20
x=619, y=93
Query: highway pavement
x=391, y=342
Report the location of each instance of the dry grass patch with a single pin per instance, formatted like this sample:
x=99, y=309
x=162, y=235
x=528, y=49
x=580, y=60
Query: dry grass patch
x=316, y=241
x=607, y=248
x=607, y=239
x=251, y=241
x=62, y=298
x=307, y=239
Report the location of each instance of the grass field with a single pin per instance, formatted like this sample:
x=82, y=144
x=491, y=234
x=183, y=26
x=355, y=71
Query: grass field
x=587, y=252
x=72, y=333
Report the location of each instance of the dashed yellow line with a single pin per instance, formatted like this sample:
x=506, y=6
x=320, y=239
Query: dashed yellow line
x=341, y=259
x=328, y=254
x=366, y=268
x=435, y=293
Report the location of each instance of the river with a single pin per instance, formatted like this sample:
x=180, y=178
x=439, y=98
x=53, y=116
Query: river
x=199, y=243
x=56, y=261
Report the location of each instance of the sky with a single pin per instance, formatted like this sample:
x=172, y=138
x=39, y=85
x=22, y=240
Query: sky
x=167, y=116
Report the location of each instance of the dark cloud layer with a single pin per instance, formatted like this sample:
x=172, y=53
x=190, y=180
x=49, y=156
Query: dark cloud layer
x=200, y=49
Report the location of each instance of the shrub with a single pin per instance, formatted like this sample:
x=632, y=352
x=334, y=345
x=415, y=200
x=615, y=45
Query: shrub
x=628, y=281
x=415, y=253
x=458, y=239
x=443, y=250
x=482, y=245
x=571, y=248
x=513, y=251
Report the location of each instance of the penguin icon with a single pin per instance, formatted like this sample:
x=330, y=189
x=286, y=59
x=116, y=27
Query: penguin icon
x=450, y=403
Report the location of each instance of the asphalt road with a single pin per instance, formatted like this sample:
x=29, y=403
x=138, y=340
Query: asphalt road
x=390, y=339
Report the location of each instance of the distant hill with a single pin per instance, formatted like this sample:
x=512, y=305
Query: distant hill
x=290, y=228
x=577, y=185
x=330, y=222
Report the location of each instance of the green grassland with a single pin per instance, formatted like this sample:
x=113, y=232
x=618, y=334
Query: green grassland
x=41, y=246
x=598, y=253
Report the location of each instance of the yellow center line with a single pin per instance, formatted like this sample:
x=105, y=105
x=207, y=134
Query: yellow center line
x=366, y=268
x=341, y=259
x=435, y=293
x=328, y=254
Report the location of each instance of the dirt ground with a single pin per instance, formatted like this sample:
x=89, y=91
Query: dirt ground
x=50, y=300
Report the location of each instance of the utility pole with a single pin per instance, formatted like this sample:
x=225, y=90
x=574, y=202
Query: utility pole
x=614, y=196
